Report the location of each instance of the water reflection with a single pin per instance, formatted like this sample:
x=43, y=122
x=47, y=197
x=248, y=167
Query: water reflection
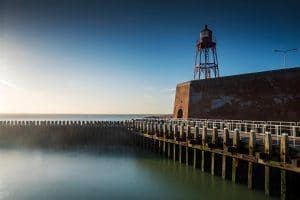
x=40, y=174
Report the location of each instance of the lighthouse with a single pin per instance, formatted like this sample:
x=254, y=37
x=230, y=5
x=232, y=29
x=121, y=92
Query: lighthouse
x=206, y=61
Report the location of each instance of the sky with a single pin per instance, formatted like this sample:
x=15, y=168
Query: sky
x=126, y=56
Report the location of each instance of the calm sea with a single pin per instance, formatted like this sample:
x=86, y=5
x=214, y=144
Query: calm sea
x=76, y=117
x=126, y=174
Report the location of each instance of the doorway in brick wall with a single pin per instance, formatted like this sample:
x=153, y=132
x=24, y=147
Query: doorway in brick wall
x=180, y=113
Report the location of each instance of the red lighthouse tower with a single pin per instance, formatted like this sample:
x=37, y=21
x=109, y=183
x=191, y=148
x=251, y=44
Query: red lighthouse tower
x=206, y=61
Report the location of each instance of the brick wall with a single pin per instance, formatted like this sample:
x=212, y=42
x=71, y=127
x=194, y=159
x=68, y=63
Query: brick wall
x=270, y=95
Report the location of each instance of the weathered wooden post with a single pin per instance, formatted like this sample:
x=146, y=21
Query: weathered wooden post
x=188, y=133
x=195, y=150
x=155, y=141
x=225, y=148
x=268, y=150
x=252, y=146
x=181, y=132
x=160, y=133
x=174, y=144
x=165, y=132
x=204, y=142
x=215, y=138
x=170, y=133
x=147, y=127
x=235, y=143
x=214, y=142
x=284, y=142
x=144, y=126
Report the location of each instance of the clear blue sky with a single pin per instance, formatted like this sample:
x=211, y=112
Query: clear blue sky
x=113, y=56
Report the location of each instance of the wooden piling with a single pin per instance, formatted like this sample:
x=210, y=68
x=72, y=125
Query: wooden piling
x=268, y=151
x=214, y=141
x=179, y=153
x=250, y=175
x=204, y=142
x=194, y=149
x=174, y=144
x=235, y=144
x=225, y=148
x=174, y=151
x=212, y=164
x=283, y=157
x=252, y=142
x=202, y=161
x=204, y=136
x=169, y=150
x=188, y=132
x=225, y=139
x=252, y=146
x=165, y=127
x=223, y=166
x=236, y=139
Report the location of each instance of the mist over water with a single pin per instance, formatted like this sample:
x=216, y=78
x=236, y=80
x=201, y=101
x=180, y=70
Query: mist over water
x=38, y=174
x=106, y=172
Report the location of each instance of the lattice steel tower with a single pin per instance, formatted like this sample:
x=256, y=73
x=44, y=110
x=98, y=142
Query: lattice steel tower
x=206, y=61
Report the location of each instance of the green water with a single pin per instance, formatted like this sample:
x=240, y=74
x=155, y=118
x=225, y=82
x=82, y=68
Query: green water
x=28, y=174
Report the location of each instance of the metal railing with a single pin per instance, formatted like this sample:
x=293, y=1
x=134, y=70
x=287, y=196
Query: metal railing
x=276, y=128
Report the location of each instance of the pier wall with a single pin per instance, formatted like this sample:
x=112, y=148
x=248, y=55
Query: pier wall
x=63, y=134
x=271, y=95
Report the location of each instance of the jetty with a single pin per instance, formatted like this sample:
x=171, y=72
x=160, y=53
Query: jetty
x=263, y=155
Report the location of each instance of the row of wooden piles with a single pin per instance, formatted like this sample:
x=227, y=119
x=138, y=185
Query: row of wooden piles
x=222, y=152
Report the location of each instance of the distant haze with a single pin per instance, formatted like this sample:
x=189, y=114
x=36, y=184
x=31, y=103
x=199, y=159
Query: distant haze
x=114, y=56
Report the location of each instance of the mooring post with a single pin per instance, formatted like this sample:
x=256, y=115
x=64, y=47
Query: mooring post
x=165, y=131
x=194, y=149
x=174, y=144
x=252, y=146
x=236, y=139
x=214, y=141
x=158, y=137
x=225, y=139
x=204, y=142
x=284, y=142
x=235, y=143
x=144, y=127
x=147, y=128
x=188, y=133
x=225, y=148
x=268, y=151
x=170, y=130
x=204, y=135
x=181, y=133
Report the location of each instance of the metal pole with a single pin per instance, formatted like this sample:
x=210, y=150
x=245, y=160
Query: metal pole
x=284, y=54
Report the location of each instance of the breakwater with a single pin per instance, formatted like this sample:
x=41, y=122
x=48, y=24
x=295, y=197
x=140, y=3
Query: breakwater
x=63, y=134
x=263, y=156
